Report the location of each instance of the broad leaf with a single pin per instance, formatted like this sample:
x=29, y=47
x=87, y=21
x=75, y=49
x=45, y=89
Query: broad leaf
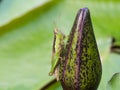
x=26, y=37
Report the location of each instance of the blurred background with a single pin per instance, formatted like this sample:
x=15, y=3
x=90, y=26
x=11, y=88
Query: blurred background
x=26, y=37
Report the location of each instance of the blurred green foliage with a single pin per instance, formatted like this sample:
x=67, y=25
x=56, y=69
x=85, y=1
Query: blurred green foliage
x=26, y=36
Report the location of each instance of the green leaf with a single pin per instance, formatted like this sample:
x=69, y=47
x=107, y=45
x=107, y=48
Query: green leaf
x=114, y=83
x=26, y=36
x=53, y=84
x=10, y=9
x=110, y=63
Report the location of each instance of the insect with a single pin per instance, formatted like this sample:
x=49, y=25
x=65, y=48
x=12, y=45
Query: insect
x=58, y=47
x=76, y=63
